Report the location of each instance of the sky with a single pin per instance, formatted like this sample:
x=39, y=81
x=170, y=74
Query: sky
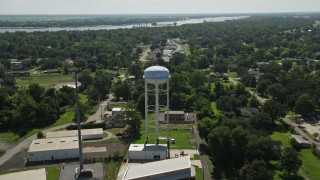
x=155, y=6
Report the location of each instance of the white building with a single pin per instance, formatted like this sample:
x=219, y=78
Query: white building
x=86, y=134
x=170, y=169
x=148, y=152
x=35, y=174
x=117, y=111
x=53, y=149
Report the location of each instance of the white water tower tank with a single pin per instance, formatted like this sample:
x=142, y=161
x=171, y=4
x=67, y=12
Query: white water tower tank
x=156, y=75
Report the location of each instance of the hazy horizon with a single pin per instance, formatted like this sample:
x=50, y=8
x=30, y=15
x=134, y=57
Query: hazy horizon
x=118, y=7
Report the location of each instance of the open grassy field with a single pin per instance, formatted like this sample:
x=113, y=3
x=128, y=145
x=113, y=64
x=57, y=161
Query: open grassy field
x=280, y=136
x=186, y=49
x=182, y=133
x=46, y=81
x=310, y=164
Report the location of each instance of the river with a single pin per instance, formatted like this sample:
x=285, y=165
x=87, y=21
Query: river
x=108, y=27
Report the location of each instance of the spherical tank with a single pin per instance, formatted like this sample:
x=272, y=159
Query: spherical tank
x=156, y=75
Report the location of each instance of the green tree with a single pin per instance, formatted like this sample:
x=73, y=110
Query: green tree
x=36, y=91
x=262, y=86
x=290, y=161
x=274, y=109
x=85, y=78
x=255, y=170
x=304, y=105
x=134, y=118
x=261, y=120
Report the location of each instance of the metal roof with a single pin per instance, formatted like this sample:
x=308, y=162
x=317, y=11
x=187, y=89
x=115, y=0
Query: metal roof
x=161, y=169
x=73, y=133
x=53, y=144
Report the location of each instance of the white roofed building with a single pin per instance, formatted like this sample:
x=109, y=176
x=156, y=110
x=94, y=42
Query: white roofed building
x=53, y=149
x=148, y=152
x=170, y=169
x=86, y=134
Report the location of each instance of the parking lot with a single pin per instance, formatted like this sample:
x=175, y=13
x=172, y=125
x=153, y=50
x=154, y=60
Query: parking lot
x=68, y=171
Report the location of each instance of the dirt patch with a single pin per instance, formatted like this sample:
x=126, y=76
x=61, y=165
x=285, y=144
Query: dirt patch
x=5, y=146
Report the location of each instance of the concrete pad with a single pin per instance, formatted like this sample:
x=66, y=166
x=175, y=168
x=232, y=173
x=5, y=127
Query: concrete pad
x=94, y=149
x=196, y=163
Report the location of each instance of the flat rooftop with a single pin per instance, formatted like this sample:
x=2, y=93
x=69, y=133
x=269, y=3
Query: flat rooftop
x=52, y=144
x=73, y=133
x=148, y=147
x=38, y=174
x=177, y=167
x=300, y=139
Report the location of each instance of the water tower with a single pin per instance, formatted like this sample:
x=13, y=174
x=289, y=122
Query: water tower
x=155, y=79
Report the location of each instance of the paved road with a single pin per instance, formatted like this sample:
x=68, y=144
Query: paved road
x=204, y=165
x=235, y=82
x=299, y=131
x=100, y=110
x=145, y=53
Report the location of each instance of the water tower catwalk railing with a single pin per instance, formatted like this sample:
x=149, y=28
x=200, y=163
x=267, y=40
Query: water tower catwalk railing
x=157, y=77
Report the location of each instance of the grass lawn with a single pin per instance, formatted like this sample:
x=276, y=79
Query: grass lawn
x=283, y=137
x=196, y=157
x=209, y=163
x=213, y=86
x=290, y=113
x=2, y=152
x=227, y=84
x=214, y=108
x=12, y=137
x=111, y=169
x=83, y=98
x=232, y=74
x=52, y=173
x=116, y=130
x=281, y=133
x=9, y=137
x=46, y=81
x=180, y=132
x=199, y=173
x=186, y=49
x=310, y=164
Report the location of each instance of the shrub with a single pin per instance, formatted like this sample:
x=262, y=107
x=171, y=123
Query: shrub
x=40, y=135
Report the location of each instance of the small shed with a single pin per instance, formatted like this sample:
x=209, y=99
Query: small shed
x=53, y=149
x=301, y=140
x=148, y=151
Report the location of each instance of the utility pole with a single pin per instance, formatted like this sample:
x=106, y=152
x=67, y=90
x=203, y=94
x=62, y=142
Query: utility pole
x=78, y=121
